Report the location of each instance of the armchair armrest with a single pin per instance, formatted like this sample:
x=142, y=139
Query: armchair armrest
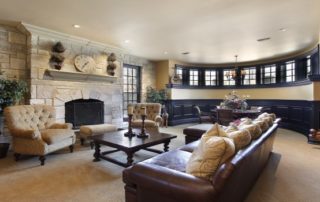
x=60, y=126
x=23, y=133
x=158, y=119
x=168, y=183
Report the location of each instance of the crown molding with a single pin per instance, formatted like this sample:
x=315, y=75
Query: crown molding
x=35, y=30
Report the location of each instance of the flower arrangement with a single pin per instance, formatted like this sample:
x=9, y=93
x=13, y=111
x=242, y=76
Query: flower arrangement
x=234, y=101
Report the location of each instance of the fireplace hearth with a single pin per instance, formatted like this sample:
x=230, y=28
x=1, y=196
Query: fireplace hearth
x=84, y=112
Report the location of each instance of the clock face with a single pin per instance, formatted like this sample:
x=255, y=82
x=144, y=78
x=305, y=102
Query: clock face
x=85, y=63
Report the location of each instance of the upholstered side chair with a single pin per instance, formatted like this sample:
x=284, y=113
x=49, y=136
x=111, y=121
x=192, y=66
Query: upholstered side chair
x=34, y=131
x=204, y=116
x=153, y=118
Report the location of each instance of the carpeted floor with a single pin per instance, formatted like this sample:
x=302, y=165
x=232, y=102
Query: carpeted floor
x=292, y=175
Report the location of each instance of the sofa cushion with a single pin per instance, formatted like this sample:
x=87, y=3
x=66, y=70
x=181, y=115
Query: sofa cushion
x=176, y=160
x=190, y=147
x=52, y=136
x=241, y=138
x=254, y=130
x=209, y=155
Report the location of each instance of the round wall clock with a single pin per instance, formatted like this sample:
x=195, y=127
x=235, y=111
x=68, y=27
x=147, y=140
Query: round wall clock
x=84, y=63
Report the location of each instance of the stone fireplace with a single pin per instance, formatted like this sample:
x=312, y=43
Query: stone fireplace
x=25, y=54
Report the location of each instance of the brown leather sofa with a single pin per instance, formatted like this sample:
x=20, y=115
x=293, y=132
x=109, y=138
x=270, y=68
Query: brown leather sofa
x=163, y=177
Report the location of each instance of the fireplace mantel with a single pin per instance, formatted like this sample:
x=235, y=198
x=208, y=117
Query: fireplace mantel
x=79, y=76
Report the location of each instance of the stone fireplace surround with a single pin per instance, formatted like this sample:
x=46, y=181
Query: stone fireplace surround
x=64, y=91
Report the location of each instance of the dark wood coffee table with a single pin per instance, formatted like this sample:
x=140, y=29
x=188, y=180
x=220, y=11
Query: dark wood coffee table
x=128, y=145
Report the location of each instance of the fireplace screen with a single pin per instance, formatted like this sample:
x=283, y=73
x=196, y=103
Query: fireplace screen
x=84, y=112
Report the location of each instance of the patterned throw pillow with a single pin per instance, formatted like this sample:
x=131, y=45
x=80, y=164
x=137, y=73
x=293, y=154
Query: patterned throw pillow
x=262, y=124
x=216, y=130
x=209, y=155
x=245, y=121
x=241, y=138
x=254, y=130
x=231, y=128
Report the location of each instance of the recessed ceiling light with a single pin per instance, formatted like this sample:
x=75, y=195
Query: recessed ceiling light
x=283, y=29
x=76, y=26
x=165, y=52
x=127, y=41
x=264, y=39
x=185, y=53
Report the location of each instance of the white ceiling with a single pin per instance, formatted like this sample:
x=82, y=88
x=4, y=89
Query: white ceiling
x=213, y=31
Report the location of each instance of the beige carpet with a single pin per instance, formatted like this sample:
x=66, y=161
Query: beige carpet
x=293, y=174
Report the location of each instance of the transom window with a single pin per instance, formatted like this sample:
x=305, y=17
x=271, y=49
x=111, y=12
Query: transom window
x=131, y=86
x=210, y=77
x=268, y=74
x=194, y=77
x=249, y=77
x=227, y=77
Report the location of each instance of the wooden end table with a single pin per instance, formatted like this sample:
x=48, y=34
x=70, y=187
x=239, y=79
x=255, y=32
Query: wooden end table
x=128, y=145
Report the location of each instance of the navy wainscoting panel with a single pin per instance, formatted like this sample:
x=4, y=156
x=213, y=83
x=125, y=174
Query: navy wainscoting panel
x=297, y=115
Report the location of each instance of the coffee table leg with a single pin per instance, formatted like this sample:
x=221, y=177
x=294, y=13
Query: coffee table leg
x=97, y=152
x=129, y=158
x=166, y=146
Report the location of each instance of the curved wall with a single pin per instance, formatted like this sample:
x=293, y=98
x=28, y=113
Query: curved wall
x=298, y=103
x=304, y=92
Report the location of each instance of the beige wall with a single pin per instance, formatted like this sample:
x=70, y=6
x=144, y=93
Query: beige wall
x=286, y=93
x=162, y=72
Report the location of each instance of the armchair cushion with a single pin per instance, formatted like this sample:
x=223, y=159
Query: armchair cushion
x=25, y=133
x=148, y=123
x=153, y=111
x=52, y=136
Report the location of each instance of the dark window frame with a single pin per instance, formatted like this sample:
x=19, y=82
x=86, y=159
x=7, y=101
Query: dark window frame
x=210, y=76
x=301, y=76
x=127, y=94
x=268, y=70
x=249, y=73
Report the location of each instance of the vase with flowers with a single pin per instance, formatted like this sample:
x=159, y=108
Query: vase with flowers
x=234, y=101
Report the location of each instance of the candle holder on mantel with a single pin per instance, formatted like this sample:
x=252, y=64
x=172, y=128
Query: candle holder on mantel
x=130, y=133
x=143, y=133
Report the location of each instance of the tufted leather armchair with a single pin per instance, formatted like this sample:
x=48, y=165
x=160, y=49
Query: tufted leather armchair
x=34, y=131
x=153, y=119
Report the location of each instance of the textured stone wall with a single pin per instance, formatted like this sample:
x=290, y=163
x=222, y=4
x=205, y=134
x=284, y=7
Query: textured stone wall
x=148, y=73
x=13, y=52
x=25, y=52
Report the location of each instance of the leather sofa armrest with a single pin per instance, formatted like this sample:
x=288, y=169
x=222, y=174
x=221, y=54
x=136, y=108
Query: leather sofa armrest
x=168, y=183
x=158, y=119
x=277, y=120
x=23, y=133
x=60, y=126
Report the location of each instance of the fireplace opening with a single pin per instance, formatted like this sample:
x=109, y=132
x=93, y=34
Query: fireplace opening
x=84, y=112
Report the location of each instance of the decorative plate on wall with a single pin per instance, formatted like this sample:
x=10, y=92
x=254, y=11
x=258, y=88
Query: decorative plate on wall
x=85, y=63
